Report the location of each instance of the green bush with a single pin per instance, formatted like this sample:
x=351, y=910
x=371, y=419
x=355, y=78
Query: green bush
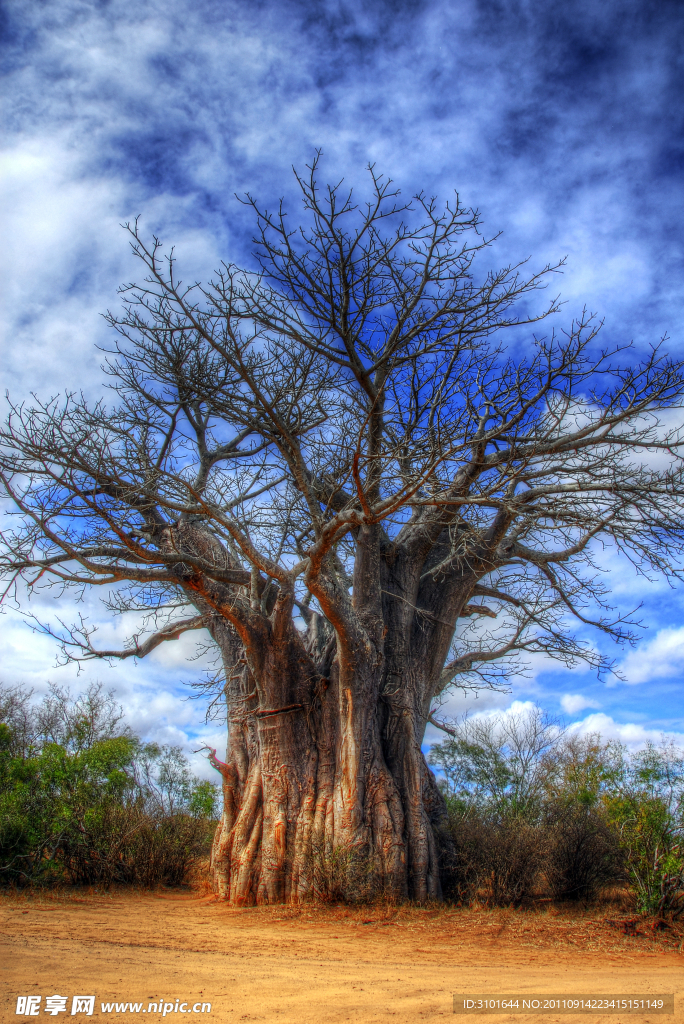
x=648, y=811
x=533, y=811
x=83, y=800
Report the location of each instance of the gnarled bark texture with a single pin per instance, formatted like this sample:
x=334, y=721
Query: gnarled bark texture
x=327, y=792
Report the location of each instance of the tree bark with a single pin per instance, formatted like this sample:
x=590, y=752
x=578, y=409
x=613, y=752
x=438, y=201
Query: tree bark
x=311, y=808
x=327, y=793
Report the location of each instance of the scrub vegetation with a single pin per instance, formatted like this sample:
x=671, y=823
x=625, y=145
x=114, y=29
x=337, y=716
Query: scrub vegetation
x=538, y=813
x=84, y=801
x=535, y=814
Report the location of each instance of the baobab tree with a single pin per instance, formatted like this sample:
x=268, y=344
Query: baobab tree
x=364, y=471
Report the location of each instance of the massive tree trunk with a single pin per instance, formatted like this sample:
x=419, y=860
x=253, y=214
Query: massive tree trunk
x=316, y=804
x=311, y=809
x=327, y=793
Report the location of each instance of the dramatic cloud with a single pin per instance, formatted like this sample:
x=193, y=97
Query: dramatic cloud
x=562, y=122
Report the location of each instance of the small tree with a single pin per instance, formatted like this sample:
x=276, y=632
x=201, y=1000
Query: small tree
x=501, y=761
x=647, y=808
x=333, y=464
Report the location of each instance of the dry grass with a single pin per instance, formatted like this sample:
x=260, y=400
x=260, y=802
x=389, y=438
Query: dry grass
x=590, y=928
x=610, y=927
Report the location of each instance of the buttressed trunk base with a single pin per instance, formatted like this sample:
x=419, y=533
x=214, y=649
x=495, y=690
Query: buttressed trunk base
x=312, y=808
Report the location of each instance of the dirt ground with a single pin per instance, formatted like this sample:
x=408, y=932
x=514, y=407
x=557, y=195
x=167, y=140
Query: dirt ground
x=295, y=966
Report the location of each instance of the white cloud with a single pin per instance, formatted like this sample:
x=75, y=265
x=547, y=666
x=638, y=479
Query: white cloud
x=632, y=734
x=517, y=707
x=572, y=703
x=659, y=658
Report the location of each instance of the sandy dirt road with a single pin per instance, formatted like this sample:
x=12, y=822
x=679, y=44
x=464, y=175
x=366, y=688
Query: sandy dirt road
x=295, y=967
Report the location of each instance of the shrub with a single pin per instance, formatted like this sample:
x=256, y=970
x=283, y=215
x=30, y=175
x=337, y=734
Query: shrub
x=648, y=813
x=584, y=854
x=128, y=845
x=498, y=859
x=533, y=810
x=655, y=854
x=84, y=802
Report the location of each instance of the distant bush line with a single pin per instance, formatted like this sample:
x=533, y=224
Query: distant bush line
x=84, y=801
x=538, y=813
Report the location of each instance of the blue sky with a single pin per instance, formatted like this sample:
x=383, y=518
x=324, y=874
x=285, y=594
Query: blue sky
x=561, y=122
